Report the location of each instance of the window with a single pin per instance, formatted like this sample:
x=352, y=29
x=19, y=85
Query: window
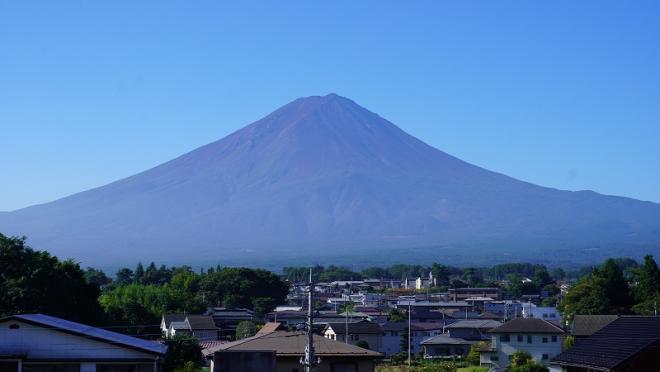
x=494, y=358
x=529, y=339
x=520, y=338
x=554, y=338
x=544, y=340
x=545, y=357
x=505, y=338
x=14, y=326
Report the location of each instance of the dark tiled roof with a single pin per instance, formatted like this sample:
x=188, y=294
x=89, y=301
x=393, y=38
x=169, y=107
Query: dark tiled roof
x=587, y=325
x=201, y=322
x=527, y=325
x=169, y=318
x=444, y=339
x=478, y=324
x=293, y=344
x=400, y=326
x=83, y=330
x=356, y=328
x=613, y=344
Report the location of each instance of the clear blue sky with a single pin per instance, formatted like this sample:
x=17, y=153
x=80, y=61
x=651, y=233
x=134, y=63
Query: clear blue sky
x=560, y=93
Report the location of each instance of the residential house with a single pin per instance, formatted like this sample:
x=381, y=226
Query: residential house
x=289, y=347
x=228, y=318
x=289, y=318
x=366, y=331
x=201, y=326
x=506, y=309
x=42, y=343
x=626, y=344
x=394, y=333
x=420, y=282
x=549, y=313
x=472, y=330
x=461, y=294
x=445, y=346
x=540, y=338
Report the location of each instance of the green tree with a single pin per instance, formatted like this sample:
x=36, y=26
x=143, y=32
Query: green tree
x=362, y=343
x=647, y=290
x=124, y=276
x=648, y=280
x=35, y=282
x=441, y=273
x=587, y=297
x=245, y=329
x=182, y=349
x=615, y=286
x=396, y=316
x=96, y=277
x=569, y=342
x=138, y=277
x=473, y=356
x=239, y=287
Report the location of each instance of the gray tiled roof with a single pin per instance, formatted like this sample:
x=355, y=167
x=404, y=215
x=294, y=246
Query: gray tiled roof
x=479, y=324
x=586, y=325
x=527, y=325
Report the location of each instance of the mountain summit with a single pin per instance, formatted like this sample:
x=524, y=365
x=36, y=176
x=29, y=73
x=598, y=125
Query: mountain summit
x=325, y=177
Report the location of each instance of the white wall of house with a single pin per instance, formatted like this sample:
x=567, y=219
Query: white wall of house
x=38, y=342
x=540, y=351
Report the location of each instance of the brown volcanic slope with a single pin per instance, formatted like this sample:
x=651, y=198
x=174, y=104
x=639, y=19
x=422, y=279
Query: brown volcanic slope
x=323, y=176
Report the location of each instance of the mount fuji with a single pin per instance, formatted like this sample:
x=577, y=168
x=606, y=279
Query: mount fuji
x=324, y=179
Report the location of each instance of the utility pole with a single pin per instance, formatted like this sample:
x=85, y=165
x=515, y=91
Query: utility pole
x=346, y=330
x=409, y=333
x=309, y=360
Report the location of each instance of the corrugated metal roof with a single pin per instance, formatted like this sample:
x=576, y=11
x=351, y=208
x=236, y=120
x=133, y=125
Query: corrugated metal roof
x=92, y=332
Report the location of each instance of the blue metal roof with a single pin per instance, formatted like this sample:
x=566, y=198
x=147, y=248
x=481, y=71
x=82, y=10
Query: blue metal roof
x=92, y=332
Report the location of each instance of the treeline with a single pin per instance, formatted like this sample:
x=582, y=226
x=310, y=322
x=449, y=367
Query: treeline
x=447, y=272
x=35, y=281
x=616, y=288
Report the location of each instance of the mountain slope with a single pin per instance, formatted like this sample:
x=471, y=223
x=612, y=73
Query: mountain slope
x=323, y=173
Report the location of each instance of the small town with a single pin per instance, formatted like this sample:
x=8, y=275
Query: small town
x=509, y=317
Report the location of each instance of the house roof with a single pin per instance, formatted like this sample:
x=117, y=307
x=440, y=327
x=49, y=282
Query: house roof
x=613, y=344
x=201, y=322
x=444, y=339
x=479, y=324
x=270, y=327
x=587, y=325
x=293, y=344
x=169, y=318
x=527, y=325
x=180, y=325
x=355, y=328
x=83, y=330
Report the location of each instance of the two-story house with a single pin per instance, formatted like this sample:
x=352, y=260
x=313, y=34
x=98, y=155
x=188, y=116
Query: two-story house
x=540, y=338
x=366, y=331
